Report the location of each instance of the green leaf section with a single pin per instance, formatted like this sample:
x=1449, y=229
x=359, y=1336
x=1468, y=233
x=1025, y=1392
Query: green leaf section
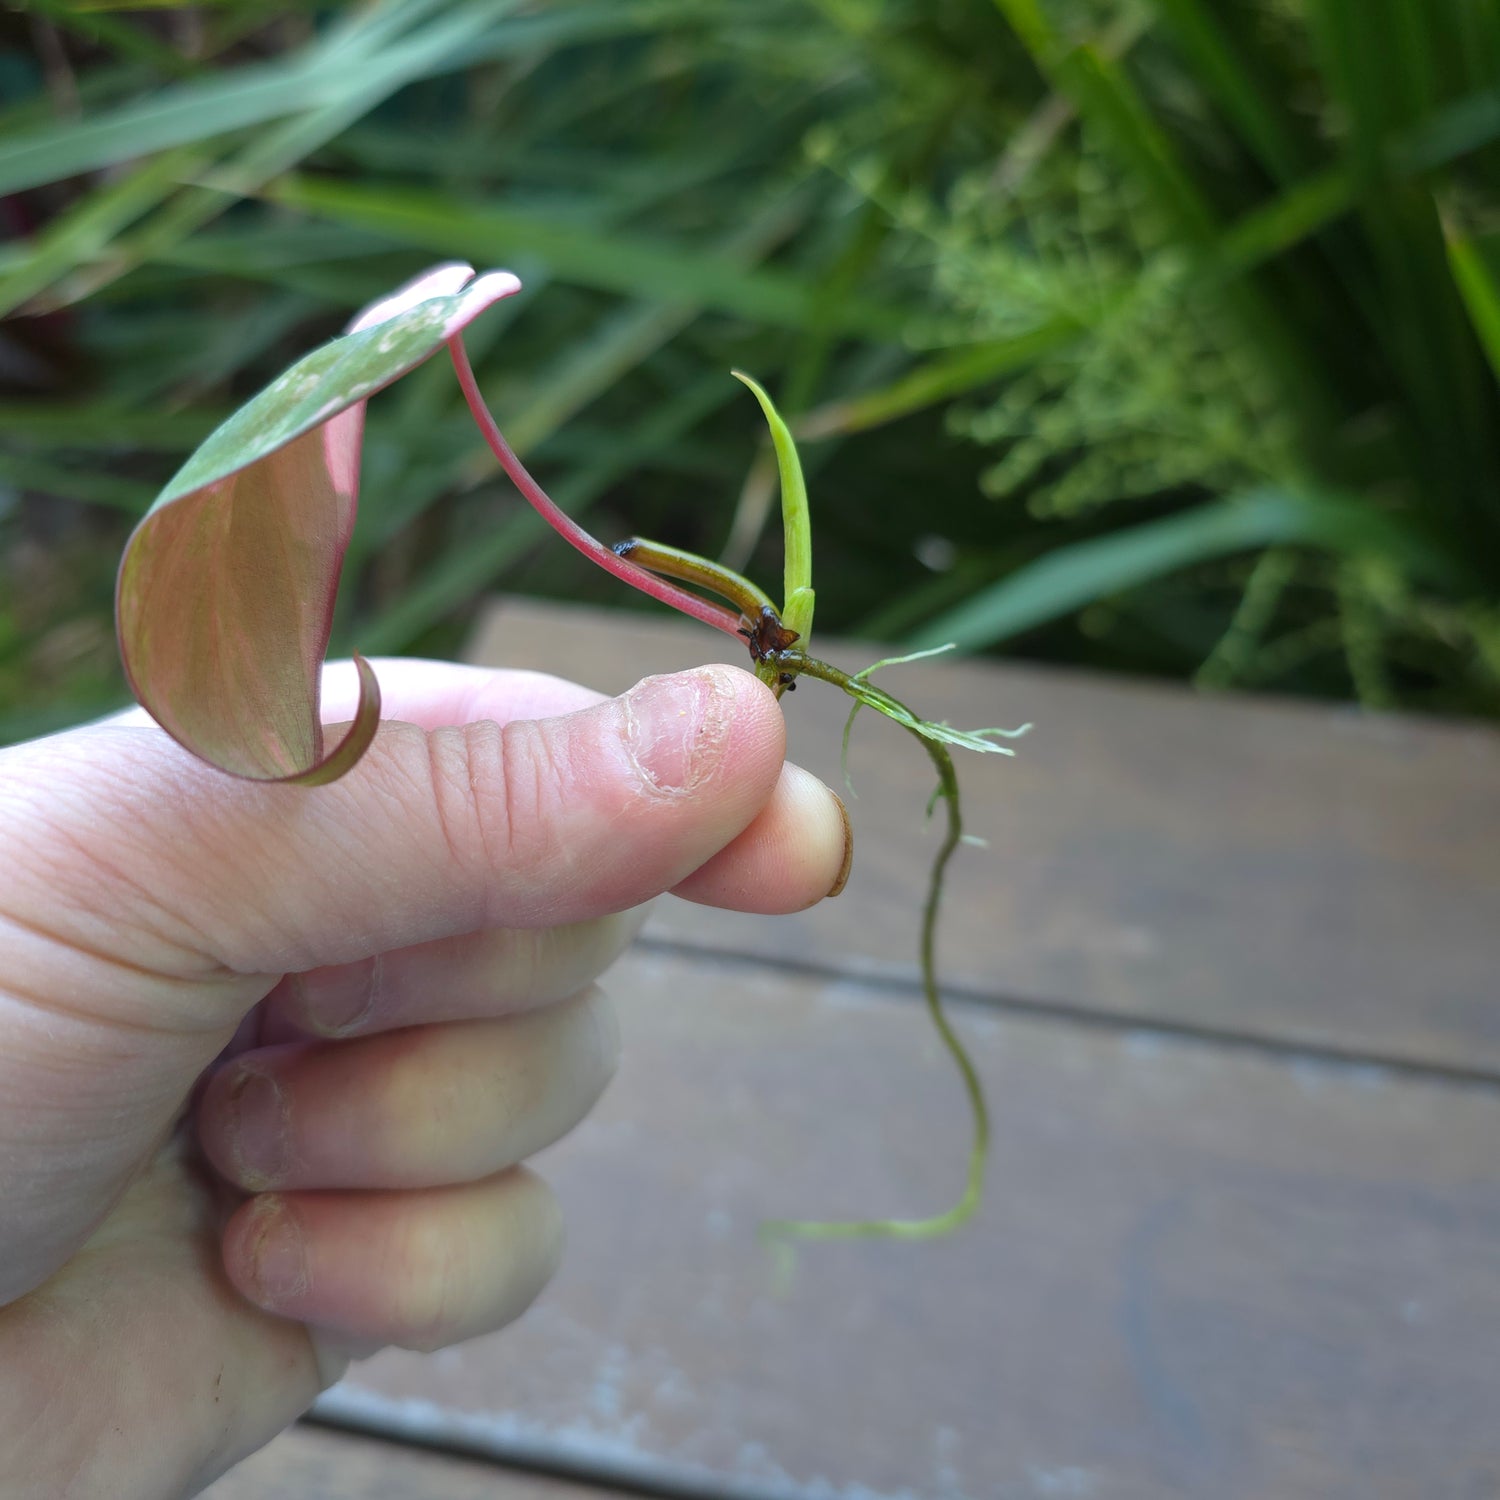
x=319, y=386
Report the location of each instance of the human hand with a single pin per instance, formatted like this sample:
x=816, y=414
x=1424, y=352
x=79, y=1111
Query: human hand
x=377, y=999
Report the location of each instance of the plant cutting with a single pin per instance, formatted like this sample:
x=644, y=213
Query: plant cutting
x=225, y=600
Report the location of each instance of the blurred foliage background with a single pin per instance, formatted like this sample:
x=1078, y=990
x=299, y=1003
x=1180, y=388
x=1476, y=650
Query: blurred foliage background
x=1155, y=335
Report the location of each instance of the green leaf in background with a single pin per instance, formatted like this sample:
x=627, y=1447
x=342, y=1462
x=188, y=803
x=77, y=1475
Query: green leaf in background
x=954, y=373
x=1075, y=575
x=225, y=596
x=1476, y=270
x=610, y=261
x=195, y=110
x=87, y=228
x=1104, y=261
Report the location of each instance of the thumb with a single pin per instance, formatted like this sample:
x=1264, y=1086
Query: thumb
x=149, y=901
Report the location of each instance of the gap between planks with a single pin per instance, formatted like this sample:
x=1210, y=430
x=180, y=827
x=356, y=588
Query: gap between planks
x=1067, y=1013
x=364, y=1414
x=318, y=1459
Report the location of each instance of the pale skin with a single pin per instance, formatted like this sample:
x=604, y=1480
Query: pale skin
x=272, y=1058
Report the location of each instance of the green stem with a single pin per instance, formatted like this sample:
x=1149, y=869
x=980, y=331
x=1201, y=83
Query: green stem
x=799, y=663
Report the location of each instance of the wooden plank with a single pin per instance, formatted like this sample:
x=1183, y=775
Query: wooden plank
x=1201, y=1270
x=313, y=1463
x=1254, y=867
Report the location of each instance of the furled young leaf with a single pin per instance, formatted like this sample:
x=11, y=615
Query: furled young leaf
x=798, y=597
x=226, y=589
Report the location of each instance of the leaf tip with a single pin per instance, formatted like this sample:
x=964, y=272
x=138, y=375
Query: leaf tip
x=454, y=278
x=350, y=750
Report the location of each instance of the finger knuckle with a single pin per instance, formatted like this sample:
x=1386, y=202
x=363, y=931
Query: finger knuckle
x=429, y=1306
x=494, y=788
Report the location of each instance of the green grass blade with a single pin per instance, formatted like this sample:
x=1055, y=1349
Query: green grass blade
x=97, y=426
x=1314, y=202
x=239, y=99
x=625, y=338
x=285, y=146
x=1476, y=271
x=1224, y=62
x=1029, y=22
x=1108, y=100
x=1456, y=130
x=617, y=344
x=1284, y=222
x=88, y=486
x=256, y=94
x=1075, y=575
x=85, y=229
x=178, y=116
x=604, y=259
x=939, y=379
x=1105, y=95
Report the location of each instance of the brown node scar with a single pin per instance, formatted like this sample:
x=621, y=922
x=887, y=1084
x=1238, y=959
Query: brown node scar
x=767, y=635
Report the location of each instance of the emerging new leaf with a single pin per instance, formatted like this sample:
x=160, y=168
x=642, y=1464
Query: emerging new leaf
x=225, y=597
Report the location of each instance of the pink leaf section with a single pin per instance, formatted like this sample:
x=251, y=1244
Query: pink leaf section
x=226, y=590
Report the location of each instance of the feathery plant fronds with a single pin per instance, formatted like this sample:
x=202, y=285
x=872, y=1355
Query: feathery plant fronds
x=1250, y=250
x=1162, y=394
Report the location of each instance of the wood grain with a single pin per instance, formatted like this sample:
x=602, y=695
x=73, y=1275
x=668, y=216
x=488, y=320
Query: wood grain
x=312, y=1463
x=1257, y=868
x=1201, y=1270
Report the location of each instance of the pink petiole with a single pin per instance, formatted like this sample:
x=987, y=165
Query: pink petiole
x=565, y=526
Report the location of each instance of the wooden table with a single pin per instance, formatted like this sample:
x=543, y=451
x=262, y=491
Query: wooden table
x=1231, y=972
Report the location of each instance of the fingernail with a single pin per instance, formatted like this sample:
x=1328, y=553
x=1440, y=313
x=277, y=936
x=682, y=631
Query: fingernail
x=842, y=878
x=278, y=1258
x=259, y=1130
x=335, y=1001
x=675, y=727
